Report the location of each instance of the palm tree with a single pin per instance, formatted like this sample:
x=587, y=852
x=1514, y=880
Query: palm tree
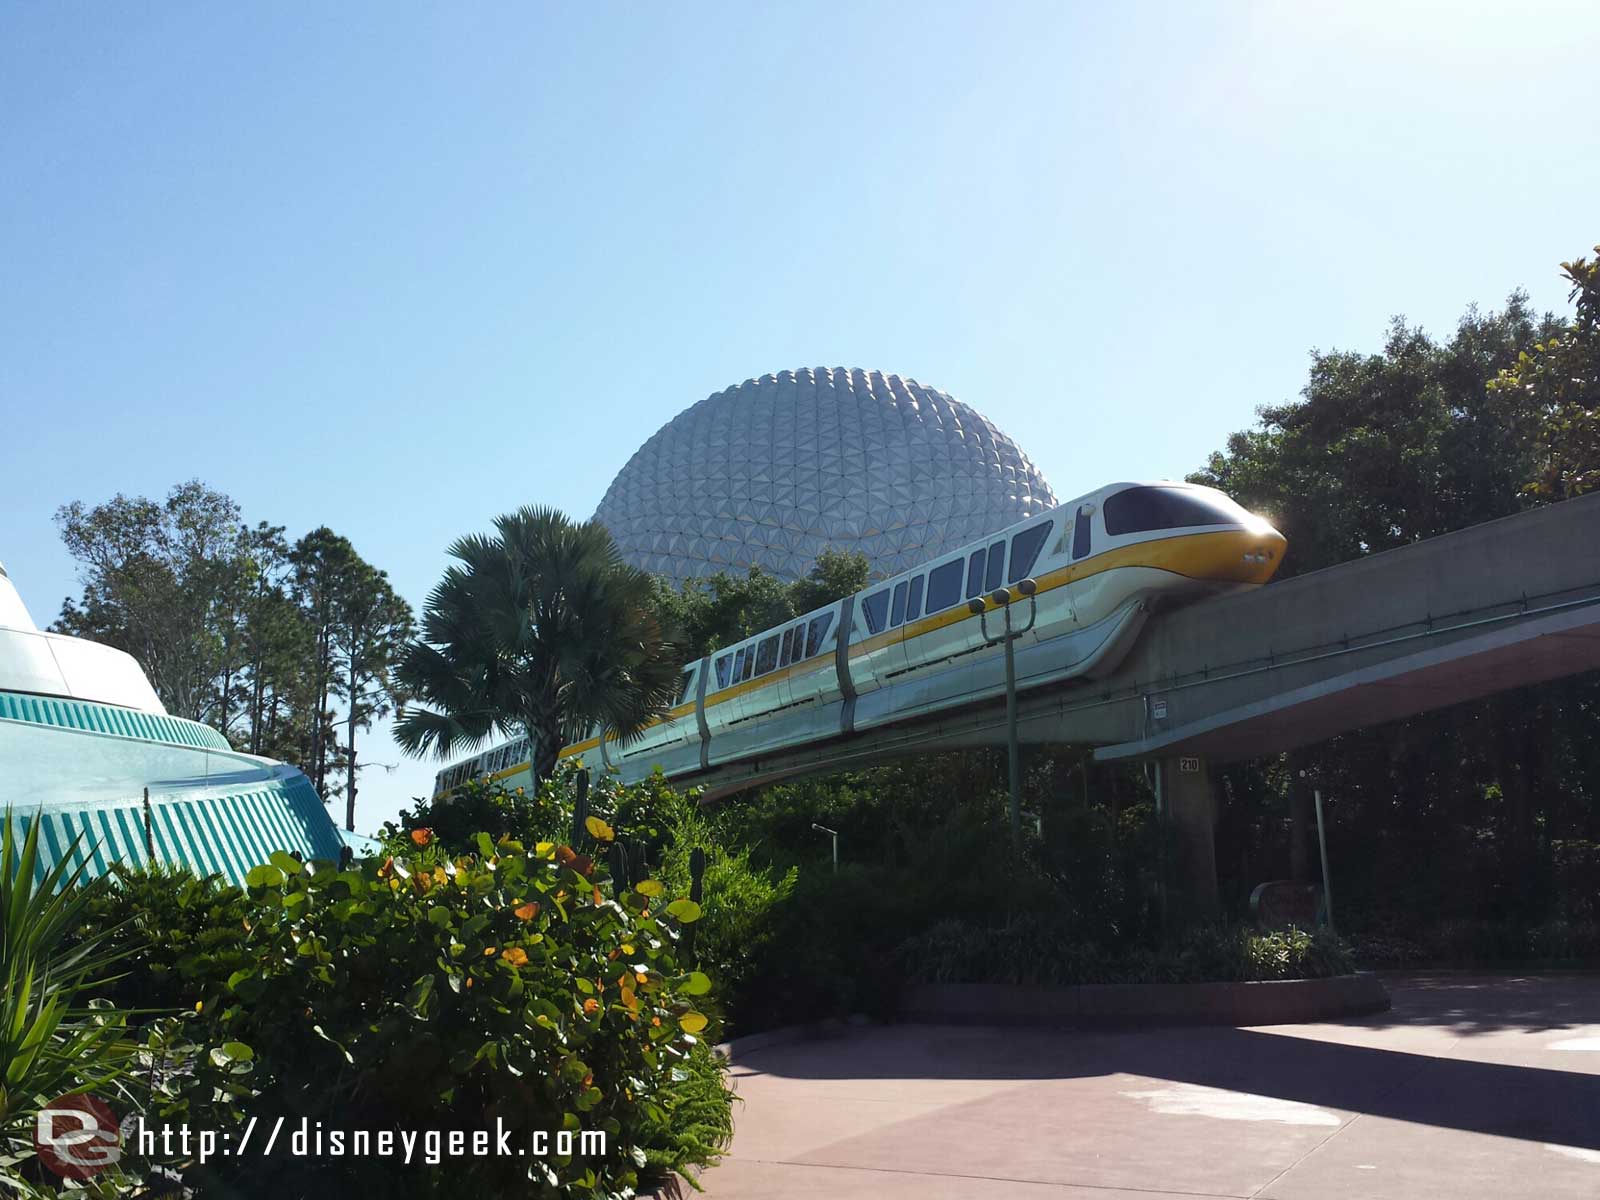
x=540, y=628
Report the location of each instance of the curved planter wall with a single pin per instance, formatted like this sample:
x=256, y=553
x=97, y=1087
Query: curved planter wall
x=1272, y=1002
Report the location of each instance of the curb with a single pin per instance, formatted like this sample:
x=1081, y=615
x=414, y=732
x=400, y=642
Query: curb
x=736, y=1048
x=1263, y=1002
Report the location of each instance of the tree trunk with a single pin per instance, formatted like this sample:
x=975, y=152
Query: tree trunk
x=257, y=688
x=350, y=788
x=544, y=745
x=350, y=737
x=319, y=746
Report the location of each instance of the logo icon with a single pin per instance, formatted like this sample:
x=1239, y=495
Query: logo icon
x=76, y=1136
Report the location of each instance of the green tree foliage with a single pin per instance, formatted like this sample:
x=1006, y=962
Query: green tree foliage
x=1390, y=448
x=161, y=581
x=539, y=628
x=835, y=575
x=1558, y=378
x=370, y=630
x=1487, y=810
x=721, y=609
x=237, y=628
x=278, y=696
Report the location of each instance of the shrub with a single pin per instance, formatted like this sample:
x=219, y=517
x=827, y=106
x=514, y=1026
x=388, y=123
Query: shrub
x=739, y=932
x=449, y=991
x=170, y=928
x=643, y=813
x=1033, y=950
x=487, y=806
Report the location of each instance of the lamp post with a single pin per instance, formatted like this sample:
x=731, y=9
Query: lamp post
x=834, y=833
x=979, y=606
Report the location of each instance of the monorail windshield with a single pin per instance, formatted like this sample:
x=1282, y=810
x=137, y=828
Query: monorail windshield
x=1141, y=509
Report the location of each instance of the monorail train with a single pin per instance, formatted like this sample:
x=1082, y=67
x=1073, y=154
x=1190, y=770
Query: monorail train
x=912, y=645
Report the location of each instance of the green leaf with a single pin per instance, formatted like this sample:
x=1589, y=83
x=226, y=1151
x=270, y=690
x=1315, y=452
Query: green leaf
x=685, y=911
x=264, y=877
x=692, y=1022
x=649, y=887
x=485, y=845
x=697, y=984
x=285, y=862
x=238, y=1051
x=421, y=999
x=439, y=915
x=247, y=984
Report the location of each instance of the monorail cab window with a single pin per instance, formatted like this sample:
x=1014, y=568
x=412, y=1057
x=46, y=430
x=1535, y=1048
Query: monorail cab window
x=786, y=651
x=1142, y=509
x=722, y=664
x=897, y=610
x=914, y=600
x=688, y=685
x=739, y=661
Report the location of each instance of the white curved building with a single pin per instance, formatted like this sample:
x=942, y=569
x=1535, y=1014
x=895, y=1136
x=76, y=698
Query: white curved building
x=773, y=471
x=84, y=740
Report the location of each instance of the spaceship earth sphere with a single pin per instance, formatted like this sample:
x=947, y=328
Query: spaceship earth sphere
x=773, y=471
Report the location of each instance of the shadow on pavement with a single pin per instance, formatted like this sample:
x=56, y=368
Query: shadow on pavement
x=1501, y=1099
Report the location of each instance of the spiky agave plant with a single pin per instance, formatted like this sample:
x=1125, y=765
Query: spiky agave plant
x=50, y=1045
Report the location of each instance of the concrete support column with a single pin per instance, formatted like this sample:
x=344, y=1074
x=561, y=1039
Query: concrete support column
x=1188, y=803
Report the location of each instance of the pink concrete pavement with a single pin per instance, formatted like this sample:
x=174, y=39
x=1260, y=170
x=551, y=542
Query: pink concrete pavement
x=1473, y=1086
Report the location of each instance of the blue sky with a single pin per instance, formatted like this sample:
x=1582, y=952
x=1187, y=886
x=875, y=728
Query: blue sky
x=399, y=268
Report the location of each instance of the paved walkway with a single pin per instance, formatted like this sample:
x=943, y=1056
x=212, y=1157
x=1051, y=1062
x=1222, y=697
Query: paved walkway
x=1471, y=1087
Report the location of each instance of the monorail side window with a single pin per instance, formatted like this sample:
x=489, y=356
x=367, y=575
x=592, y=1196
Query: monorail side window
x=914, y=600
x=944, y=585
x=722, y=670
x=1140, y=509
x=817, y=631
x=767, y=655
x=799, y=642
x=749, y=662
x=897, y=610
x=1080, y=534
x=997, y=565
x=876, y=610
x=688, y=684
x=738, y=664
x=1025, y=548
x=786, y=651
x=975, y=573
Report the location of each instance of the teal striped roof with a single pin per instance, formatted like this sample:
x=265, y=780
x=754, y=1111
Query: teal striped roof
x=227, y=832
x=110, y=719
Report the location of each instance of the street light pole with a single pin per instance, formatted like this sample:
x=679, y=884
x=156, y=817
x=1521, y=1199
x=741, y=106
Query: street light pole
x=833, y=833
x=1003, y=597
